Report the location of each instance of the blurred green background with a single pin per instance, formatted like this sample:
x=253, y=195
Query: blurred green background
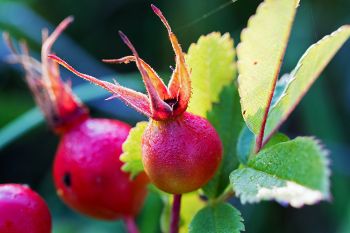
x=324, y=112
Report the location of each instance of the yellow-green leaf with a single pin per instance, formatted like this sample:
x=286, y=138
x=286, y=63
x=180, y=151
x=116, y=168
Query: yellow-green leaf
x=132, y=154
x=211, y=62
x=306, y=72
x=260, y=55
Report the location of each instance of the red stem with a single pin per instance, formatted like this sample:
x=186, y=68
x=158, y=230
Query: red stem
x=131, y=225
x=175, y=214
x=260, y=138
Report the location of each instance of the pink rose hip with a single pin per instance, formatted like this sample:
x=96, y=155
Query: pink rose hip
x=22, y=210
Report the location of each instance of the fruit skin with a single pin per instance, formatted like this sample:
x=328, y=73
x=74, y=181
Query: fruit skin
x=181, y=155
x=87, y=171
x=22, y=210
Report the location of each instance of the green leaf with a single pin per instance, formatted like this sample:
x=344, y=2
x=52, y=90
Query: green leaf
x=304, y=75
x=276, y=139
x=219, y=218
x=227, y=119
x=148, y=218
x=345, y=223
x=211, y=63
x=132, y=150
x=294, y=172
x=260, y=55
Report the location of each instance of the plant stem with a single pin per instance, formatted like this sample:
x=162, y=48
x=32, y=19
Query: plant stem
x=226, y=195
x=130, y=224
x=175, y=214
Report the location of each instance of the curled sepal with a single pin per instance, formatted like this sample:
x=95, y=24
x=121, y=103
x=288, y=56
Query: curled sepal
x=155, y=79
x=136, y=99
x=160, y=109
x=162, y=102
x=62, y=109
x=180, y=83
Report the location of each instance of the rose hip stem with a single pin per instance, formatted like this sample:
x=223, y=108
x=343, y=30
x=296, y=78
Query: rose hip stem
x=175, y=214
x=131, y=225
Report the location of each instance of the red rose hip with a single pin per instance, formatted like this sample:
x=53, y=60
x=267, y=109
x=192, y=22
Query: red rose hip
x=22, y=210
x=87, y=170
x=186, y=151
x=180, y=151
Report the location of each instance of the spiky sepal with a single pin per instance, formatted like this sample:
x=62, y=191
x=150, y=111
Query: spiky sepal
x=61, y=108
x=163, y=102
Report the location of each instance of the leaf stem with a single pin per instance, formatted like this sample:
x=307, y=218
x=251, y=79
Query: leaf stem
x=259, y=140
x=175, y=214
x=226, y=195
x=130, y=224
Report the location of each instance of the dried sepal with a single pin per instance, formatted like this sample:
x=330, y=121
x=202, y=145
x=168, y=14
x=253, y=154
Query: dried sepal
x=162, y=103
x=137, y=100
x=180, y=84
x=54, y=97
x=155, y=79
x=160, y=109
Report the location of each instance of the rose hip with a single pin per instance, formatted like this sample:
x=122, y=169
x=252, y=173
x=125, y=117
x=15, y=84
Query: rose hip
x=87, y=170
x=181, y=151
x=22, y=210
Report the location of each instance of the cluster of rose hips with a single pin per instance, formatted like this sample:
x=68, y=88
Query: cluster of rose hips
x=180, y=151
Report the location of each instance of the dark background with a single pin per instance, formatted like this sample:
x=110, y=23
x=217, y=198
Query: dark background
x=324, y=112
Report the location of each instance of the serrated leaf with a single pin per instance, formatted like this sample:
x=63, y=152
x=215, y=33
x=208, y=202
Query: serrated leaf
x=219, y=218
x=227, y=119
x=211, y=63
x=191, y=203
x=260, y=55
x=294, y=172
x=132, y=150
x=306, y=72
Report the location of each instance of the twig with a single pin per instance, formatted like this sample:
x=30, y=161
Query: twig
x=175, y=214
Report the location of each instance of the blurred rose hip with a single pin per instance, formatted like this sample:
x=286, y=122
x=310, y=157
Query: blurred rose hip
x=22, y=210
x=87, y=170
